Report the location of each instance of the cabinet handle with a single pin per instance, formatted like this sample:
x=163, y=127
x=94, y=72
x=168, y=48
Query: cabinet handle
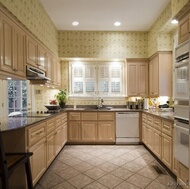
x=38, y=133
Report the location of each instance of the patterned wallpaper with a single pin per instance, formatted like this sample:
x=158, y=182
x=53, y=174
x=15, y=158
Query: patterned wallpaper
x=98, y=44
x=34, y=17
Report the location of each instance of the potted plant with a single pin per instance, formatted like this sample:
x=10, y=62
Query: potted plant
x=62, y=97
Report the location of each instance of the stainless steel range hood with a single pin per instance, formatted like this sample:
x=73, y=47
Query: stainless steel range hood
x=33, y=73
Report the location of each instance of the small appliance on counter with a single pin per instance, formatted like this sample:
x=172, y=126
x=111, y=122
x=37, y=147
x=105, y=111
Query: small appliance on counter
x=146, y=104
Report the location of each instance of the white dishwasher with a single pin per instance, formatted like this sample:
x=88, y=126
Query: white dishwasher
x=127, y=127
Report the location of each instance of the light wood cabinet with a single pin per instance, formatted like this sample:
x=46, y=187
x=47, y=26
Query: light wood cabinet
x=137, y=77
x=38, y=160
x=160, y=74
x=36, y=53
x=184, y=28
x=157, y=136
x=12, y=44
x=106, y=131
x=93, y=127
x=183, y=176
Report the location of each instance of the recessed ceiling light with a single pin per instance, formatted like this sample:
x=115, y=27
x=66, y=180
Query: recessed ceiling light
x=174, y=21
x=117, y=23
x=75, y=23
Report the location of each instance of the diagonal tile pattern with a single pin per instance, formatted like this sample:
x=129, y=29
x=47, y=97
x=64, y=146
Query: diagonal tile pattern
x=105, y=167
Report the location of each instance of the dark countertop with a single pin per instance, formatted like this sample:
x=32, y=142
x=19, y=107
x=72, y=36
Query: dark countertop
x=12, y=123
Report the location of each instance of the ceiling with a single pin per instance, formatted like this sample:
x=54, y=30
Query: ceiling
x=100, y=15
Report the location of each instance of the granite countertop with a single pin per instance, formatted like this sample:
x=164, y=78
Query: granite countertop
x=11, y=123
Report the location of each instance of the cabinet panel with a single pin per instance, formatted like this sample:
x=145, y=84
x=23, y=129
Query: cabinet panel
x=74, y=115
x=38, y=160
x=184, y=29
x=89, y=130
x=50, y=148
x=167, y=127
x=50, y=125
x=106, y=132
x=167, y=151
x=106, y=116
x=74, y=131
x=157, y=143
x=89, y=116
x=157, y=123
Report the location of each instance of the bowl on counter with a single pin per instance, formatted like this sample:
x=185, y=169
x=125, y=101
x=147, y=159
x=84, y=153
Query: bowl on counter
x=52, y=106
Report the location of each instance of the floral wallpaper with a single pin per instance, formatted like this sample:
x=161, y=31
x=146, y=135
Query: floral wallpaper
x=34, y=17
x=98, y=44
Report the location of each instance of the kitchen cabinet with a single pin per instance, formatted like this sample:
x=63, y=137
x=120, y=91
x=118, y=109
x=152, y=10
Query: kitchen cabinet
x=184, y=28
x=36, y=54
x=183, y=176
x=56, y=75
x=137, y=77
x=160, y=74
x=157, y=136
x=12, y=44
x=91, y=127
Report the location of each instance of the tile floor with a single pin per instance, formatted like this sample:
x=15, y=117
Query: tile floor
x=105, y=167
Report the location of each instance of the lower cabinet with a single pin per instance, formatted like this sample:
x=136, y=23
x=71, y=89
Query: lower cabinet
x=38, y=160
x=91, y=127
x=45, y=140
x=183, y=176
x=157, y=143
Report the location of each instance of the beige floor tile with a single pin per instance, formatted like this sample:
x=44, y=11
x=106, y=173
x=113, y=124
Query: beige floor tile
x=134, y=167
x=80, y=181
x=95, y=185
x=128, y=157
x=165, y=180
x=126, y=185
x=106, y=157
x=119, y=161
x=142, y=161
x=95, y=173
x=85, y=157
x=83, y=167
x=110, y=180
x=38, y=187
x=58, y=166
x=148, y=172
x=139, y=180
x=122, y=173
x=96, y=161
x=156, y=185
x=50, y=179
x=68, y=173
x=64, y=185
x=108, y=167
x=72, y=162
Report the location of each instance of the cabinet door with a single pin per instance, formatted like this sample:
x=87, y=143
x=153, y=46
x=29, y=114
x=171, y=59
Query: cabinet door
x=144, y=133
x=38, y=160
x=106, y=131
x=41, y=57
x=150, y=138
x=74, y=133
x=19, y=52
x=49, y=66
x=184, y=29
x=154, y=76
x=157, y=143
x=89, y=130
x=58, y=140
x=32, y=50
x=132, y=79
x=50, y=148
x=143, y=79
x=7, y=42
x=64, y=134
x=167, y=151
x=183, y=176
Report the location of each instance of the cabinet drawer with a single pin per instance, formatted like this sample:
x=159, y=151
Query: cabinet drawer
x=58, y=121
x=150, y=120
x=106, y=116
x=157, y=124
x=50, y=125
x=89, y=116
x=167, y=127
x=36, y=133
x=144, y=118
x=64, y=117
x=74, y=116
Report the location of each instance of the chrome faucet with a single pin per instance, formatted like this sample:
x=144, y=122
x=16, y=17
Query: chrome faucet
x=100, y=102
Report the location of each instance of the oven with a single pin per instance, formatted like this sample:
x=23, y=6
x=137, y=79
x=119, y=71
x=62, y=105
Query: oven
x=182, y=72
x=181, y=141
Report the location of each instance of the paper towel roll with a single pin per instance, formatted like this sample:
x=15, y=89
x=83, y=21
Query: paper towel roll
x=146, y=103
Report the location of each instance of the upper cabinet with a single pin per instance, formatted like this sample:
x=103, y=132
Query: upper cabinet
x=160, y=74
x=137, y=77
x=36, y=54
x=184, y=28
x=12, y=45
